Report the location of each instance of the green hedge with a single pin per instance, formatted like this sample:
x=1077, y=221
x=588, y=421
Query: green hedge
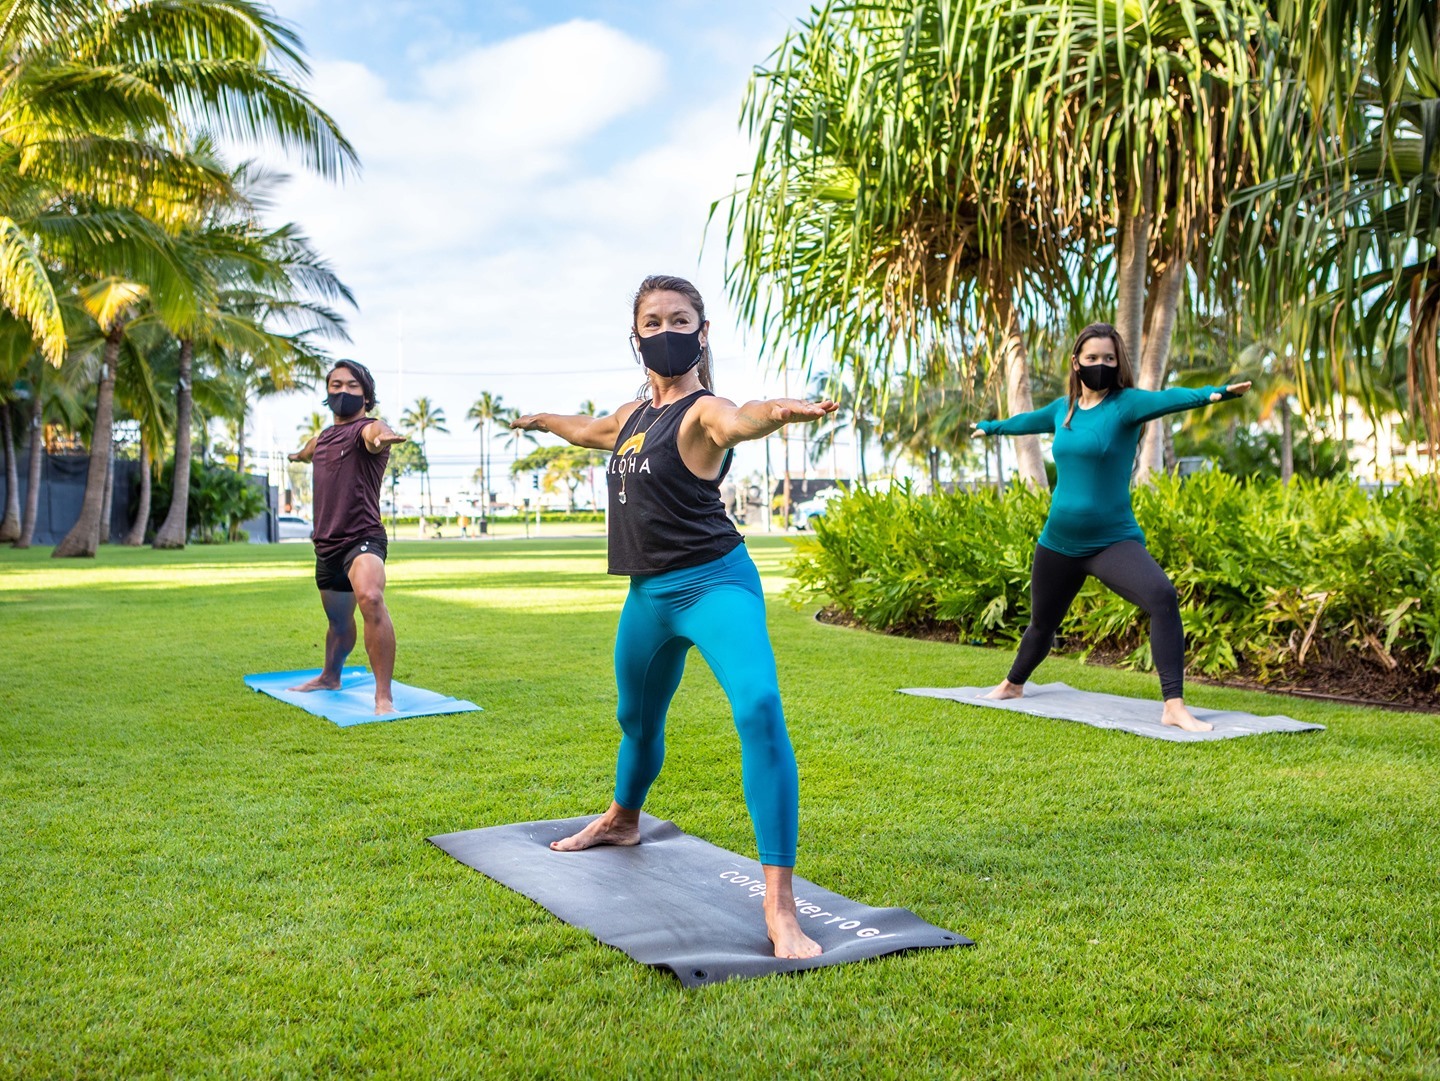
x=1268, y=576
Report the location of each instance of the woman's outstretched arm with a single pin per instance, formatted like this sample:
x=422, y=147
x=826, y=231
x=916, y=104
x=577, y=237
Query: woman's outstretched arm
x=1036, y=422
x=596, y=433
x=727, y=425
x=1142, y=405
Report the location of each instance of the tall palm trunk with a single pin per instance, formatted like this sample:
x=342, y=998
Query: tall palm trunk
x=107, y=504
x=173, y=532
x=1135, y=221
x=1287, y=441
x=84, y=536
x=37, y=459
x=10, y=525
x=1030, y=463
x=1155, y=360
x=136, y=537
x=240, y=435
x=426, y=503
x=485, y=458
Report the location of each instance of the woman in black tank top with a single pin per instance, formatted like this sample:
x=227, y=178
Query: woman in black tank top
x=691, y=582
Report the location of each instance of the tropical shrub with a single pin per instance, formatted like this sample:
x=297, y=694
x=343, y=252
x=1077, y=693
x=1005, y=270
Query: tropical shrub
x=1269, y=576
x=220, y=499
x=1245, y=453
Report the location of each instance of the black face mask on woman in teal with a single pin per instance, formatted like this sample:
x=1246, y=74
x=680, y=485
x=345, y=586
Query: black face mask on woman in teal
x=671, y=352
x=1099, y=376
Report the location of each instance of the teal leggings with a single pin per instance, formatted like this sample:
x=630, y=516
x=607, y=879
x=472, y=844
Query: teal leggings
x=717, y=607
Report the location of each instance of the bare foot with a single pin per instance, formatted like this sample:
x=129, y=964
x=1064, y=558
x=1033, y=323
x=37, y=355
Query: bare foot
x=1178, y=716
x=322, y=682
x=1007, y=690
x=783, y=927
x=383, y=706
x=617, y=826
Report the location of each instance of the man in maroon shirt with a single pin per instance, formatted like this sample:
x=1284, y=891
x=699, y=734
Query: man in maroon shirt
x=350, y=539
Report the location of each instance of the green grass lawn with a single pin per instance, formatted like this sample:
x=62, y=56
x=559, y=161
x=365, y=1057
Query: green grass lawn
x=199, y=880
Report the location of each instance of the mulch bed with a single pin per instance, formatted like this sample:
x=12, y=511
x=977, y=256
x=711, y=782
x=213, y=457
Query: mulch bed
x=1338, y=677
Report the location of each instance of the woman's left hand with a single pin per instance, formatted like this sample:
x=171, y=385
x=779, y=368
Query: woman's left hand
x=1236, y=389
x=786, y=410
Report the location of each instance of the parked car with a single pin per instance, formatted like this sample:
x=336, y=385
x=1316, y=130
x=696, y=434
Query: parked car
x=291, y=527
x=804, y=513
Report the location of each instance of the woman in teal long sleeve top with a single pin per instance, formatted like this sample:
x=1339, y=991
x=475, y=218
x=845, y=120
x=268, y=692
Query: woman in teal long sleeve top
x=1091, y=529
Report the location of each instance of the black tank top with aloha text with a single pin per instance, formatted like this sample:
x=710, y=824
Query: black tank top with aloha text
x=662, y=516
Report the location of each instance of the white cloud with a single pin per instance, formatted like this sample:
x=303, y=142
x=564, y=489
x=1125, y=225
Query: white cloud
x=503, y=218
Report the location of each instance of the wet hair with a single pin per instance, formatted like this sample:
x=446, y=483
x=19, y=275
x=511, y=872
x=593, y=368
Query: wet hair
x=1124, y=376
x=668, y=283
x=362, y=373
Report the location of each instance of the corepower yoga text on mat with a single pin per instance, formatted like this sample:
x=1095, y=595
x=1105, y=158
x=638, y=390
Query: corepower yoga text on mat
x=699, y=918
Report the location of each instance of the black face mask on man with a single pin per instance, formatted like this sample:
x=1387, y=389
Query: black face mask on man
x=1099, y=376
x=671, y=352
x=345, y=405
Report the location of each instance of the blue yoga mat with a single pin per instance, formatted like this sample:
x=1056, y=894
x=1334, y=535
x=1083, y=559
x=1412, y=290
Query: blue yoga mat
x=354, y=702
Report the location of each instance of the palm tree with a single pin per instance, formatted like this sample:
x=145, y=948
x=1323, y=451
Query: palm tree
x=853, y=415
x=51, y=394
x=1352, y=189
x=16, y=348
x=137, y=391
x=110, y=303
x=1156, y=111
x=312, y=426
x=589, y=409
x=92, y=99
x=939, y=173
x=95, y=99
x=565, y=466
x=277, y=310
x=887, y=212
x=422, y=418
x=487, y=410
x=515, y=439
x=270, y=297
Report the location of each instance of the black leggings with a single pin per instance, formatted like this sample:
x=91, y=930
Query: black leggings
x=1130, y=571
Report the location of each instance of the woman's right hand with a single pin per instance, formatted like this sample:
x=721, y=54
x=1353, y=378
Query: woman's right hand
x=530, y=422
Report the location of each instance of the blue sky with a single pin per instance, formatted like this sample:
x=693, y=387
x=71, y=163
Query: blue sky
x=524, y=165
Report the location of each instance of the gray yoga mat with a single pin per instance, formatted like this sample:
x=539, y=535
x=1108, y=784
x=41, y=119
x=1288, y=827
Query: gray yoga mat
x=680, y=903
x=1137, y=715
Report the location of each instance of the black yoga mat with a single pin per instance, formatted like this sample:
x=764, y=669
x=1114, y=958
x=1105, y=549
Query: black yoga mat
x=680, y=903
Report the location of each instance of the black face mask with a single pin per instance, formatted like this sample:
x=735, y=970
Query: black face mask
x=1099, y=376
x=345, y=405
x=671, y=353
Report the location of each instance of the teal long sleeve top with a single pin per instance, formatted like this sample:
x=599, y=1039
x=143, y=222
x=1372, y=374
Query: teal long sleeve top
x=1090, y=507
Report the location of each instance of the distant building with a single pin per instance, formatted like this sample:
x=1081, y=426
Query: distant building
x=1378, y=450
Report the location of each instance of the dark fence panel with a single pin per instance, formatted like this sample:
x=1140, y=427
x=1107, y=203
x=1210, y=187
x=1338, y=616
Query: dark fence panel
x=62, y=492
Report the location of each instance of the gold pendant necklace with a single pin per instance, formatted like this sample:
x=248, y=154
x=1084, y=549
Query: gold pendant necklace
x=623, y=473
